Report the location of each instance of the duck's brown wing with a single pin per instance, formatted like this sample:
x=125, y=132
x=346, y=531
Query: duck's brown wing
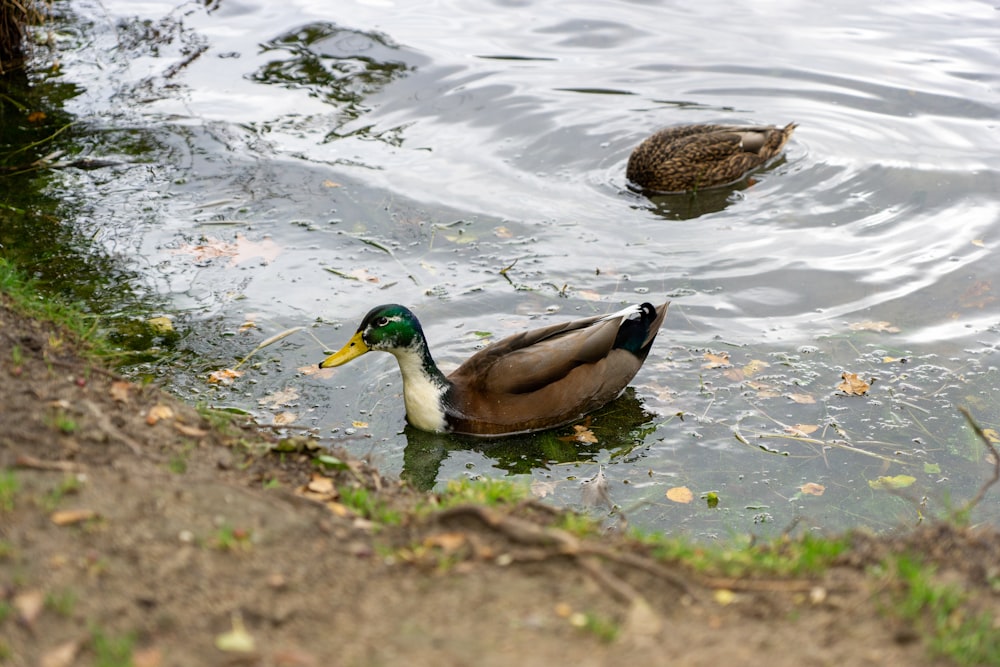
x=544, y=378
x=703, y=156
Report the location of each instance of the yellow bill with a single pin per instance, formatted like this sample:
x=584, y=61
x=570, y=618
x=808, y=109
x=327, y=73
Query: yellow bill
x=354, y=349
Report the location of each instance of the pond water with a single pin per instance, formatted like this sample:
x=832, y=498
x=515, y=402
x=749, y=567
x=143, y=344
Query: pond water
x=295, y=163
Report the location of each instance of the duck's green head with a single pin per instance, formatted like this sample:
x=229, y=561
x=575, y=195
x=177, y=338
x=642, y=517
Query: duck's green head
x=388, y=327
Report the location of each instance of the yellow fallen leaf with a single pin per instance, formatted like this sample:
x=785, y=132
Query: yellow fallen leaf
x=120, y=391
x=853, y=385
x=63, y=655
x=978, y=242
x=320, y=484
x=159, y=412
x=246, y=326
x=802, y=429
x=237, y=640
x=69, y=517
x=446, y=542
x=542, y=489
x=357, y=424
x=894, y=482
x=502, y=233
x=978, y=295
x=680, y=494
x=284, y=418
x=812, y=489
x=869, y=325
x=190, y=431
x=223, y=376
x=724, y=596
x=991, y=435
x=29, y=605
x=160, y=325
x=330, y=184
x=580, y=434
x=802, y=399
x=755, y=366
x=716, y=360
x=245, y=250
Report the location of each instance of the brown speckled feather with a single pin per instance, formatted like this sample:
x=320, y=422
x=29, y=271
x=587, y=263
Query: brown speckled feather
x=695, y=157
x=546, y=377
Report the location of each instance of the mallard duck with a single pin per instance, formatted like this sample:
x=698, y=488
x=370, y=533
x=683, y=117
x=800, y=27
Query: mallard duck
x=695, y=157
x=530, y=381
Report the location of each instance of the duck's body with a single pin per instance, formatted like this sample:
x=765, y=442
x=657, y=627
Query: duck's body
x=527, y=382
x=696, y=157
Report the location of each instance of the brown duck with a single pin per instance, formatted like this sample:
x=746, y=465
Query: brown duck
x=696, y=157
x=527, y=382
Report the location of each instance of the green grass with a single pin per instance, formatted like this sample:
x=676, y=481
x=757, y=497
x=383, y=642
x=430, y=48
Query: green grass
x=27, y=299
x=9, y=486
x=489, y=492
x=939, y=610
x=606, y=630
x=229, y=538
x=808, y=554
x=70, y=484
x=111, y=651
x=368, y=505
x=61, y=602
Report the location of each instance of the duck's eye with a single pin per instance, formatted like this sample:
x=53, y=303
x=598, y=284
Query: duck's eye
x=382, y=321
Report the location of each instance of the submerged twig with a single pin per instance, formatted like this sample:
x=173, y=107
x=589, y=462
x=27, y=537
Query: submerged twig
x=270, y=341
x=981, y=493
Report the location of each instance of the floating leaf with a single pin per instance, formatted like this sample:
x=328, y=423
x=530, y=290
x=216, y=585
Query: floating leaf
x=878, y=327
x=159, y=412
x=279, y=398
x=711, y=499
x=716, y=360
x=266, y=250
x=853, y=385
x=224, y=376
x=892, y=360
x=932, y=468
x=978, y=242
x=680, y=494
x=357, y=424
x=284, y=418
x=978, y=295
x=894, y=482
x=992, y=435
x=330, y=184
x=502, y=233
x=161, y=325
x=581, y=434
x=542, y=489
x=812, y=489
x=754, y=367
x=802, y=429
x=237, y=640
x=804, y=399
